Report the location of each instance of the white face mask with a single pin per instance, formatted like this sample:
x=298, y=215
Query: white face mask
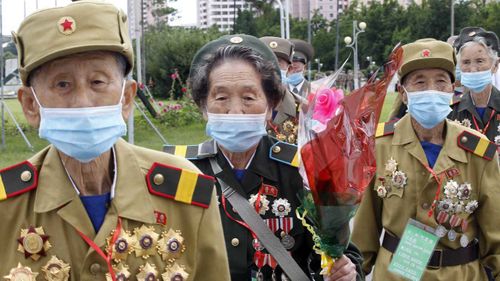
x=82, y=133
x=236, y=132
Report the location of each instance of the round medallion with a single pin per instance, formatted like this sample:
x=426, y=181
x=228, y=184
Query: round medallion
x=464, y=241
x=33, y=243
x=146, y=242
x=150, y=277
x=257, y=245
x=177, y=277
x=121, y=245
x=440, y=231
x=288, y=241
x=173, y=245
x=452, y=235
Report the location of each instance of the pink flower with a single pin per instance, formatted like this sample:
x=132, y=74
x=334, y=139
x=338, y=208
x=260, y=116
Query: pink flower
x=141, y=86
x=165, y=110
x=327, y=102
x=184, y=90
x=160, y=103
x=173, y=76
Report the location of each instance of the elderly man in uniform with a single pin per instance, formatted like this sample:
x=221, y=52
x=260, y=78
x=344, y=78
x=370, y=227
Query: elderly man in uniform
x=434, y=171
x=90, y=206
x=284, y=123
x=297, y=83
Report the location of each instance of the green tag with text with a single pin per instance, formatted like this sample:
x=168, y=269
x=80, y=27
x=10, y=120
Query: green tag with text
x=414, y=251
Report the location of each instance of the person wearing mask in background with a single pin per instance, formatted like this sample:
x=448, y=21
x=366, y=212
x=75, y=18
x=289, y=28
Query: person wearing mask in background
x=434, y=171
x=284, y=123
x=90, y=206
x=479, y=106
x=303, y=54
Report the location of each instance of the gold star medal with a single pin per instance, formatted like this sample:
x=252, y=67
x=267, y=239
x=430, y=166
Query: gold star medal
x=123, y=246
x=171, y=245
x=146, y=241
x=121, y=273
x=56, y=270
x=21, y=273
x=147, y=272
x=33, y=243
x=175, y=273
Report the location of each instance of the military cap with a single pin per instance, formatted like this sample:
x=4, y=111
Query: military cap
x=304, y=51
x=427, y=53
x=282, y=48
x=243, y=40
x=81, y=26
x=468, y=34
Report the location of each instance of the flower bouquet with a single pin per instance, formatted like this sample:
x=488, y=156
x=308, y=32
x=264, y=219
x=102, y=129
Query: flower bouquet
x=337, y=149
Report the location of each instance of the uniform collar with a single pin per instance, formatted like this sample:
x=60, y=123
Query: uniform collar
x=466, y=102
x=131, y=200
x=405, y=135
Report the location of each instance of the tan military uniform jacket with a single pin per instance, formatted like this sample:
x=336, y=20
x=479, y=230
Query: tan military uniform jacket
x=55, y=207
x=415, y=198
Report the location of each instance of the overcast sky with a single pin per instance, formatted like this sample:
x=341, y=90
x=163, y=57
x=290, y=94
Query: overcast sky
x=13, y=11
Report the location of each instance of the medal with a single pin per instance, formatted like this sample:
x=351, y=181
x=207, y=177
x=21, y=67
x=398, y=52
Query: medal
x=440, y=231
x=21, y=273
x=56, y=270
x=260, y=203
x=464, y=226
x=273, y=224
x=273, y=264
x=175, y=273
x=452, y=235
x=399, y=179
x=281, y=207
x=171, y=245
x=442, y=217
x=259, y=259
x=464, y=241
x=121, y=273
x=455, y=221
x=147, y=272
x=260, y=275
x=270, y=190
x=257, y=246
x=288, y=241
x=124, y=245
x=284, y=277
x=146, y=241
x=286, y=224
x=33, y=243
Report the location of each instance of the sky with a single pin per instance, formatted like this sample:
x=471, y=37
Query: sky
x=13, y=11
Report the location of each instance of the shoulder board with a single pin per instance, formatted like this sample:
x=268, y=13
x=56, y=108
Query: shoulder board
x=17, y=179
x=385, y=129
x=285, y=153
x=478, y=145
x=456, y=99
x=181, y=185
x=185, y=151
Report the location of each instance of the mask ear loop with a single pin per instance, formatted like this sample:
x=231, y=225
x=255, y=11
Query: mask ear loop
x=123, y=91
x=36, y=99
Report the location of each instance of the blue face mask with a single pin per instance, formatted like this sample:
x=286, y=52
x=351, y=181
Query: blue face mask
x=476, y=81
x=284, y=80
x=82, y=133
x=295, y=78
x=429, y=108
x=458, y=73
x=236, y=132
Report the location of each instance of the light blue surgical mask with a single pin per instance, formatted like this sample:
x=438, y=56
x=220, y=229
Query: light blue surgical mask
x=295, y=78
x=284, y=80
x=458, y=73
x=236, y=132
x=429, y=108
x=82, y=133
x=476, y=81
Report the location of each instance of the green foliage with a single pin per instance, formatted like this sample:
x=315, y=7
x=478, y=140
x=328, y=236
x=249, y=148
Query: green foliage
x=181, y=113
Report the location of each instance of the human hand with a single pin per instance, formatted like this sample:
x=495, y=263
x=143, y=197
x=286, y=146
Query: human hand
x=342, y=270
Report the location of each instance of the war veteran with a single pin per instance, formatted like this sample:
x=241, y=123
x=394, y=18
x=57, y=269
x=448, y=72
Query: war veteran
x=91, y=206
x=434, y=171
x=303, y=54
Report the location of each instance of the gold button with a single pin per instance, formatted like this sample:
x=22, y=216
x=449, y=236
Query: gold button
x=235, y=242
x=425, y=206
x=158, y=179
x=26, y=176
x=95, y=268
x=464, y=139
x=276, y=149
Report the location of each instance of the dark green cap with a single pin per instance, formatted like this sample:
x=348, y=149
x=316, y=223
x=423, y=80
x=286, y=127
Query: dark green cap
x=282, y=48
x=237, y=39
x=304, y=51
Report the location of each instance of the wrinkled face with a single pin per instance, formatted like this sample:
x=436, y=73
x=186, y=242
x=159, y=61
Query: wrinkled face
x=475, y=58
x=235, y=87
x=427, y=79
x=297, y=67
x=83, y=80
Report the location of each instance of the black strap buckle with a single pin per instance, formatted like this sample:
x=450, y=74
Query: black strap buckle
x=436, y=260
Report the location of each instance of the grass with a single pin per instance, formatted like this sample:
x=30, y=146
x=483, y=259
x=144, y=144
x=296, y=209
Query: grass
x=16, y=149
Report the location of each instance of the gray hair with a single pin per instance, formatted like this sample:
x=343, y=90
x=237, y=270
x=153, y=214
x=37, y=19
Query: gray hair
x=482, y=41
x=200, y=83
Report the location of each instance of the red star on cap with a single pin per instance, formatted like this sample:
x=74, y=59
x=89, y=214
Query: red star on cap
x=426, y=53
x=67, y=25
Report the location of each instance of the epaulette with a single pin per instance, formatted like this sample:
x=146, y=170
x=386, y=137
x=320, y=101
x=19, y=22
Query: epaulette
x=478, y=145
x=17, y=179
x=456, y=99
x=180, y=184
x=193, y=152
x=385, y=129
x=285, y=153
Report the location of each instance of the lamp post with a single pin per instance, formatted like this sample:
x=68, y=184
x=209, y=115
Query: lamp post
x=353, y=44
x=318, y=61
x=337, y=36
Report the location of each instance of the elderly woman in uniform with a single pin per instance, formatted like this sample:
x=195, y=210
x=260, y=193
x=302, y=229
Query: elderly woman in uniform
x=235, y=82
x=479, y=106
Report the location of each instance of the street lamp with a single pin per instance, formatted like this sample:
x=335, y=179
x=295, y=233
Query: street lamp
x=317, y=60
x=352, y=42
